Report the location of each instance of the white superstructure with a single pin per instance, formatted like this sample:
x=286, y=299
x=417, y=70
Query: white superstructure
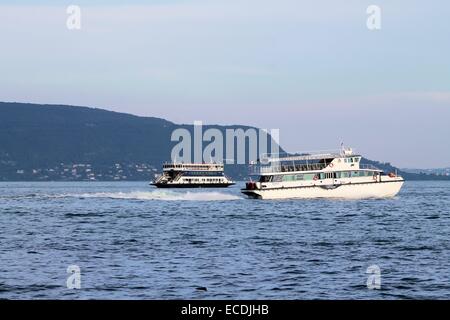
x=336, y=174
x=193, y=175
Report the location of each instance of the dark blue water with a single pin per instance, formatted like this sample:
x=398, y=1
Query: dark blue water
x=135, y=242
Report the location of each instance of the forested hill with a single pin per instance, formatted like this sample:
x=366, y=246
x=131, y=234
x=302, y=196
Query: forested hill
x=57, y=142
x=387, y=167
x=42, y=135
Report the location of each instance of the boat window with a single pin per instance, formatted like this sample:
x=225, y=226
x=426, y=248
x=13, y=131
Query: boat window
x=345, y=174
x=289, y=177
x=204, y=173
x=277, y=178
x=265, y=178
x=308, y=176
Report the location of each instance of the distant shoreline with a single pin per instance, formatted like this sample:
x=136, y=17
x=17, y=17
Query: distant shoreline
x=148, y=181
x=70, y=143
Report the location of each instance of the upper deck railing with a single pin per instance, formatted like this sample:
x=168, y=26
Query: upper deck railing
x=368, y=166
x=256, y=170
x=287, y=168
x=194, y=166
x=306, y=156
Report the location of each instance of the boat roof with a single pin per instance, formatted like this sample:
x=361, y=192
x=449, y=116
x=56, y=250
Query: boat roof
x=314, y=155
x=194, y=166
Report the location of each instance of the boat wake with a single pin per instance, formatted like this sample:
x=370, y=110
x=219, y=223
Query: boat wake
x=162, y=195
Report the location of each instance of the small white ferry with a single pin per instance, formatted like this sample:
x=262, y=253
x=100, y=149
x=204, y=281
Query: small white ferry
x=337, y=174
x=193, y=175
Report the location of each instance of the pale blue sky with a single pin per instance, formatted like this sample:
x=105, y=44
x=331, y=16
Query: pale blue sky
x=310, y=68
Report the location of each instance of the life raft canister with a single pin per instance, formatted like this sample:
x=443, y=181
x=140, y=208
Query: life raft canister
x=250, y=185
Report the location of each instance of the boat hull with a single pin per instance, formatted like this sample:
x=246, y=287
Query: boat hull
x=385, y=189
x=191, y=185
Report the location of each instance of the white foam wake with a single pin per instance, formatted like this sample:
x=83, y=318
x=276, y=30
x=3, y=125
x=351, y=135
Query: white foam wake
x=160, y=195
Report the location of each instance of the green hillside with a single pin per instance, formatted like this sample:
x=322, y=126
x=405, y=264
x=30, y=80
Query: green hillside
x=57, y=142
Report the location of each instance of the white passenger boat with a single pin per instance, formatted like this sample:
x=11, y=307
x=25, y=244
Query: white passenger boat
x=193, y=175
x=338, y=174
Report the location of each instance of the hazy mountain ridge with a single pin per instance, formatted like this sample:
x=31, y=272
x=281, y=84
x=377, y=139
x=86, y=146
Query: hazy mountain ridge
x=434, y=171
x=59, y=142
x=387, y=167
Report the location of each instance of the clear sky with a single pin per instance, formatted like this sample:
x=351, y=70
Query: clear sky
x=310, y=68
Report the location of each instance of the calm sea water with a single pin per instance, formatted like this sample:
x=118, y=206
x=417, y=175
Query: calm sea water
x=132, y=241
